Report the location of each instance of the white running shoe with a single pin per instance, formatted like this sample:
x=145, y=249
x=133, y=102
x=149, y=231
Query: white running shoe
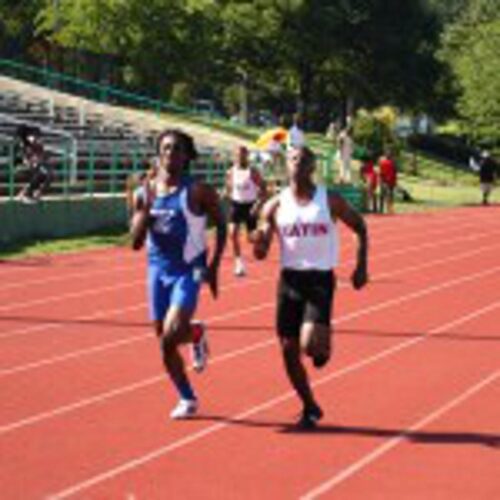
x=27, y=200
x=199, y=349
x=239, y=268
x=185, y=408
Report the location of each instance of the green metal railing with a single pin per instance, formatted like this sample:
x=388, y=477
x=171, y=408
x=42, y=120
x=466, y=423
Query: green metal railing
x=53, y=80
x=96, y=175
x=91, y=174
x=95, y=91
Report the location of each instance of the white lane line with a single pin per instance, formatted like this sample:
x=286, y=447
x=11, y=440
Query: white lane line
x=71, y=295
x=378, y=224
x=386, y=255
x=138, y=338
x=65, y=277
x=120, y=391
x=112, y=312
x=126, y=389
x=123, y=342
x=390, y=444
x=207, y=431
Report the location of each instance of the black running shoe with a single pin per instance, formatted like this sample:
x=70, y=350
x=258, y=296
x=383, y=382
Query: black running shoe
x=320, y=361
x=309, y=417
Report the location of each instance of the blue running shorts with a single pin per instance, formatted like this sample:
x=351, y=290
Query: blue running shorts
x=165, y=290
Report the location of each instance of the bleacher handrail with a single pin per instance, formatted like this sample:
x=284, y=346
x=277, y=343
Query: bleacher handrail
x=43, y=127
x=49, y=78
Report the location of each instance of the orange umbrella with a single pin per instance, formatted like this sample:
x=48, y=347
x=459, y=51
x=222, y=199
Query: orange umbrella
x=278, y=134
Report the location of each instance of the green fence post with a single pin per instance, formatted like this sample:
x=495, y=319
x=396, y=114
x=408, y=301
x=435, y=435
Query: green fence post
x=91, y=169
x=11, y=172
x=135, y=160
x=114, y=168
x=211, y=169
x=227, y=165
x=66, y=167
x=103, y=93
x=327, y=170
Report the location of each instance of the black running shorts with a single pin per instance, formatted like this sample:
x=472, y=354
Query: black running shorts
x=239, y=213
x=304, y=296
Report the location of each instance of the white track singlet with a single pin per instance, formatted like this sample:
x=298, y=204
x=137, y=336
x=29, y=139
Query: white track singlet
x=308, y=235
x=244, y=189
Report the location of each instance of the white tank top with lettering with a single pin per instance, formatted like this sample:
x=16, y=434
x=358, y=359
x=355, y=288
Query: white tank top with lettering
x=244, y=189
x=307, y=233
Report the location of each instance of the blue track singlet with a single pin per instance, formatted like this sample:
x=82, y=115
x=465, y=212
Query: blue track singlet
x=176, y=248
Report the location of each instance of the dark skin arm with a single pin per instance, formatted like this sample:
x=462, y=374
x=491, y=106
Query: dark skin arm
x=264, y=235
x=141, y=219
x=228, y=185
x=205, y=200
x=262, y=196
x=351, y=218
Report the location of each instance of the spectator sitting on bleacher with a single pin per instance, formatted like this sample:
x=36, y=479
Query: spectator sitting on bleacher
x=31, y=156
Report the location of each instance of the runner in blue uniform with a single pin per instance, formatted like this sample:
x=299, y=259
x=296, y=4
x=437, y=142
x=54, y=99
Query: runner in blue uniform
x=171, y=214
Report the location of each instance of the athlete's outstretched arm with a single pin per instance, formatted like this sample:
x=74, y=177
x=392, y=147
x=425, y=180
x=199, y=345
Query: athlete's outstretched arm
x=353, y=219
x=228, y=184
x=263, y=236
x=140, y=217
x=262, y=193
x=210, y=204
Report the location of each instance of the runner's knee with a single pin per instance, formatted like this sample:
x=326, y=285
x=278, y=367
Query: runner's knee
x=290, y=348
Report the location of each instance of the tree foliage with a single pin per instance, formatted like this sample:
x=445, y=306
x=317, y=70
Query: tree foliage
x=312, y=55
x=17, y=25
x=471, y=47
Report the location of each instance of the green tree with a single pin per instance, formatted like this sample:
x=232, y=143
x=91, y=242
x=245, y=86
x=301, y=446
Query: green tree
x=470, y=46
x=322, y=51
x=306, y=54
x=161, y=41
x=17, y=26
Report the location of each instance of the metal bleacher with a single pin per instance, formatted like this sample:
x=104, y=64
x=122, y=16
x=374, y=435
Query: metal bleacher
x=84, y=149
x=88, y=151
x=94, y=144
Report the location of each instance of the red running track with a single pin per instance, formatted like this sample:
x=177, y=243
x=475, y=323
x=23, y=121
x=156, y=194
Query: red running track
x=411, y=396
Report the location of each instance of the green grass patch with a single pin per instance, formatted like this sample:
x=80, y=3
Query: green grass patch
x=432, y=184
x=30, y=248
x=435, y=194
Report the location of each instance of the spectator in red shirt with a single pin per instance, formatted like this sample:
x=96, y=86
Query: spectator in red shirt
x=388, y=181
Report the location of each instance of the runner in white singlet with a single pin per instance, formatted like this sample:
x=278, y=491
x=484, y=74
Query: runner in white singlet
x=246, y=191
x=304, y=218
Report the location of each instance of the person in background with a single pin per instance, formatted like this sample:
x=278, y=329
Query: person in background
x=246, y=191
x=388, y=180
x=369, y=175
x=33, y=164
x=304, y=217
x=487, y=170
x=296, y=137
x=171, y=216
x=345, y=149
